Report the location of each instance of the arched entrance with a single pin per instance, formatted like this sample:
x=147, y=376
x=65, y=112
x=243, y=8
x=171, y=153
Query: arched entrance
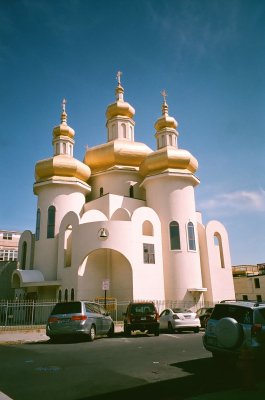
x=102, y=264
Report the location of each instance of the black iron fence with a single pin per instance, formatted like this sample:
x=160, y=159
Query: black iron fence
x=21, y=314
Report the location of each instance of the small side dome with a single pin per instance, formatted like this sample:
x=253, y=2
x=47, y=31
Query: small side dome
x=168, y=158
x=61, y=165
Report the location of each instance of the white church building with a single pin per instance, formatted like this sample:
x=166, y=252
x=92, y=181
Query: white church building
x=124, y=219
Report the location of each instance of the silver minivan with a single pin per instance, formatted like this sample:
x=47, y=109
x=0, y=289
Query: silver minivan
x=79, y=318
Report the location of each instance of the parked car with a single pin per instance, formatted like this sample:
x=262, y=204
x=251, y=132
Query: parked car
x=236, y=326
x=79, y=318
x=203, y=314
x=141, y=316
x=179, y=319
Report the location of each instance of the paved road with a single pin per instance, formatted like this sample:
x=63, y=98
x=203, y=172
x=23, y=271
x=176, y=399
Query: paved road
x=171, y=366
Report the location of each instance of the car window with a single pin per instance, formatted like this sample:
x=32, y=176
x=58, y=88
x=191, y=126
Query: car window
x=93, y=308
x=181, y=310
x=260, y=316
x=242, y=315
x=67, y=308
x=142, y=308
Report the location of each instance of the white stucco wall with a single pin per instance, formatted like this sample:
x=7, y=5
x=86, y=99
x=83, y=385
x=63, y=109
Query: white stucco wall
x=220, y=278
x=172, y=197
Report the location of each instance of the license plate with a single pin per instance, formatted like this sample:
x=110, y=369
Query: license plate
x=143, y=318
x=64, y=321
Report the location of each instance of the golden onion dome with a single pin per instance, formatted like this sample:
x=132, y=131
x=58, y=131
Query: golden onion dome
x=119, y=153
x=61, y=165
x=63, y=129
x=165, y=121
x=120, y=107
x=166, y=158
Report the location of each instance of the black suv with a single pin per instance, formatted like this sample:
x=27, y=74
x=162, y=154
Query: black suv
x=141, y=316
x=236, y=326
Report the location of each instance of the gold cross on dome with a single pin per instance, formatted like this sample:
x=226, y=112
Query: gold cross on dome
x=63, y=104
x=119, y=74
x=164, y=94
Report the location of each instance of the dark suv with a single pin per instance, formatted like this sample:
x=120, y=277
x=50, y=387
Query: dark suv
x=142, y=316
x=236, y=326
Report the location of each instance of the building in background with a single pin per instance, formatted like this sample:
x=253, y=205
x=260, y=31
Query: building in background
x=123, y=220
x=8, y=261
x=249, y=282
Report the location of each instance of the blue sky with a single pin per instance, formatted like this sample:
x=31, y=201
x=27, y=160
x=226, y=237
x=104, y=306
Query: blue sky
x=209, y=55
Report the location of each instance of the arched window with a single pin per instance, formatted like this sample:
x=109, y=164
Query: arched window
x=219, y=246
x=64, y=148
x=174, y=235
x=72, y=294
x=148, y=229
x=68, y=246
x=60, y=296
x=37, y=233
x=24, y=255
x=131, y=191
x=191, y=237
x=66, y=295
x=101, y=191
x=123, y=127
x=51, y=222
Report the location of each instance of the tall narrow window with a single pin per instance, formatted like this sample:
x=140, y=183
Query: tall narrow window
x=191, y=237
x=123, y=127
x=66, y=295
x=219, y=246
x=174, y=235
x=37, y=234
x=101, y=191
x=24, y=255
x=131, y=191
x=68, y=246
x=51, y=222
x=72, y=294
x=259, y=298
x=60, y=296
x=257, y=283
x=149, y=253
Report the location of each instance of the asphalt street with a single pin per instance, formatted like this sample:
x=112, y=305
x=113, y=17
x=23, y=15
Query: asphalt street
x=171, y=366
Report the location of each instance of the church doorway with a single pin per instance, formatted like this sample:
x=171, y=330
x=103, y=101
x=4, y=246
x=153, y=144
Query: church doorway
x=103, y=265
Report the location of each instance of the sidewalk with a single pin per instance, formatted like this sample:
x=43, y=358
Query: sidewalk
x=33, y=335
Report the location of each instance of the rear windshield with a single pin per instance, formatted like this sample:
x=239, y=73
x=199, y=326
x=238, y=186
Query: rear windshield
x=142, y=308
x=67, y=308
x=242, y=315
x=181, y=310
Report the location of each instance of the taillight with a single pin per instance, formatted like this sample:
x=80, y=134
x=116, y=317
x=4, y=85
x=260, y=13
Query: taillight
x=79, y=318
x=256, y=328
x=53, y=319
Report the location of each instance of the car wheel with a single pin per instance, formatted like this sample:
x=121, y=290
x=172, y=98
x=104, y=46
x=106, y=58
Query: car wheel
x=92, y=333
x=111, y=331
x=170, y=328
x=196, y=330
x=157, y=332
x=229, y=333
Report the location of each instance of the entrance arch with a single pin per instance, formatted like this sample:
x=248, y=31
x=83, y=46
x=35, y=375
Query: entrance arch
x=102, y=264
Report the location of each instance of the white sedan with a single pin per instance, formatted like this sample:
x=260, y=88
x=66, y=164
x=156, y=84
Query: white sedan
x=179, y=319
